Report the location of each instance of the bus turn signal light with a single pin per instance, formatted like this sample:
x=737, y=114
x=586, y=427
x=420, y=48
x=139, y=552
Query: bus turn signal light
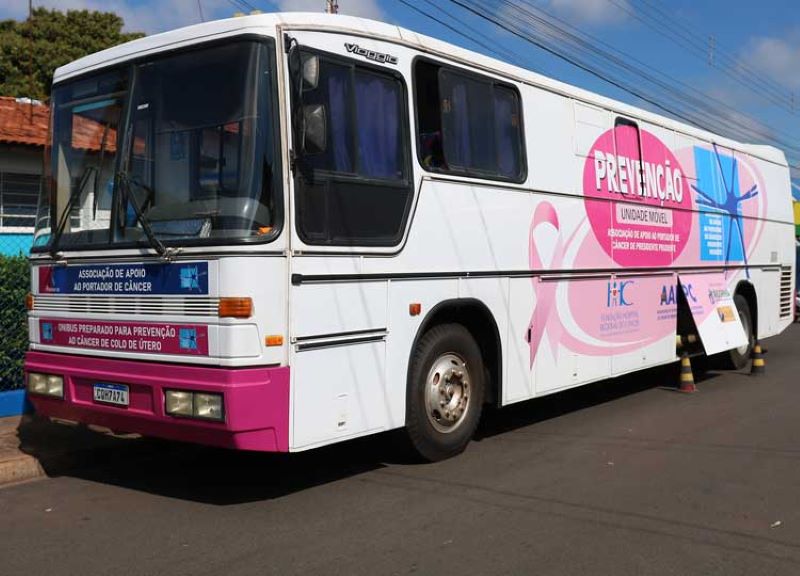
x=29, y=301
x=274, y=340
x=235, y=307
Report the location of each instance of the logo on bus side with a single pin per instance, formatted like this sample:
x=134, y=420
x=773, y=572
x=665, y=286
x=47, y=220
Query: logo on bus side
x=669, y=294
x=616, y=294
x=637, y=198
x=379, y=57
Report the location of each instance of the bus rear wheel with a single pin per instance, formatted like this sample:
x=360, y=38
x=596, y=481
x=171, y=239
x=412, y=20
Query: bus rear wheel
x=739, y=357
x=445, y=392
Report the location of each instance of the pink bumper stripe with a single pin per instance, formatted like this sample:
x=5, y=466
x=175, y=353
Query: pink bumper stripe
x=256, y=399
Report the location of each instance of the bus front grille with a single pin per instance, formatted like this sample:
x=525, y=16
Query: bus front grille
x=132, y=305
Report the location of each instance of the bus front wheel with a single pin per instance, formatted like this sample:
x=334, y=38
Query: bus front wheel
x=445, y=392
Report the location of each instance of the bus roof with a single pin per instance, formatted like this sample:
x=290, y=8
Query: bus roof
x=198, y=33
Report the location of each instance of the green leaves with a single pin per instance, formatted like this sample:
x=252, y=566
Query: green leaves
x=14, y=282
x=30, y=51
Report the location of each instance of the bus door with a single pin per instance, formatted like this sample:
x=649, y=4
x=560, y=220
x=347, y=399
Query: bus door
x=351, y=198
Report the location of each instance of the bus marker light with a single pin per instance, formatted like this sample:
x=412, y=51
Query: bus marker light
x=274, y=340
x=235, y=307
x=29, y=301
x=179, y=402
x=415, y=308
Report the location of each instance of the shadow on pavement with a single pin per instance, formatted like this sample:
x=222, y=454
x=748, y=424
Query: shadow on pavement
x=222, y=477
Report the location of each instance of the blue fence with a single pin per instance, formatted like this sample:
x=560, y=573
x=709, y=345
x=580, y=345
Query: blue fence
x=14, y=280
x=14, y=244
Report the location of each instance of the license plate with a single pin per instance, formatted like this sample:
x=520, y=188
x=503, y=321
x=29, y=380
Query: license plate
x=111, y=394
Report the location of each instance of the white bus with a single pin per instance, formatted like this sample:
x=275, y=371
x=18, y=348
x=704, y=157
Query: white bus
x=278, y=232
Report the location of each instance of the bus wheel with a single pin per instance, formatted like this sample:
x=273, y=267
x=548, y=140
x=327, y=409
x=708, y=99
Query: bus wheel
x=739, y=357
x=445, y=392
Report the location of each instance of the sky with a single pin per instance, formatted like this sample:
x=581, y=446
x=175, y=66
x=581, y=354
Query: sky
x=759, y=41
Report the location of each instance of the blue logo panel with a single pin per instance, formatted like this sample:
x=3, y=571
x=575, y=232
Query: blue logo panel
x=189, y=278
x=188, y=338
x=719, y=195
x=47, y=331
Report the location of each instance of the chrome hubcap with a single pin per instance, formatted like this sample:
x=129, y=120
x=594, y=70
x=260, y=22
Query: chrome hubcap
x=447, y=391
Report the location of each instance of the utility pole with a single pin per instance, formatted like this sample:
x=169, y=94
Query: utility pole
x=331, y=6
x=30, y=59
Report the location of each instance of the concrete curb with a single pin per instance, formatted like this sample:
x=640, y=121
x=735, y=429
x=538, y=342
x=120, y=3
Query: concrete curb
x=33, y=447
x=15, y=465
x=20, y=469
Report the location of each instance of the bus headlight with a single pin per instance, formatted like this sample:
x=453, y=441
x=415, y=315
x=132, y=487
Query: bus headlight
x=46, y=384
x=208, y=406
x=179, y=403
x=55, y=386
x=201, y=405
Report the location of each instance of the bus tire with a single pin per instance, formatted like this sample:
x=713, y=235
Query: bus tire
x=739, y=357
x=445, y=392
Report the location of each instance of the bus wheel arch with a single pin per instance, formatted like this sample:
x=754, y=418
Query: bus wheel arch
x=476, y=317
x=746, y=290
x=450, y=374
x=746, y=302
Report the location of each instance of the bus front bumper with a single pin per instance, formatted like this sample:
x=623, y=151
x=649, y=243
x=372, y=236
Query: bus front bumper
x=256, y=400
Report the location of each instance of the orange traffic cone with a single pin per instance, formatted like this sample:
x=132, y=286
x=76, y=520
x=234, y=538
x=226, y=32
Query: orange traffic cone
x=687, y=378
x=759, y=366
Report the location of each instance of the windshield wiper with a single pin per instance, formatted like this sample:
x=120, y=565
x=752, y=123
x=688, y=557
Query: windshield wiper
x=76, y=193
x=125, y=182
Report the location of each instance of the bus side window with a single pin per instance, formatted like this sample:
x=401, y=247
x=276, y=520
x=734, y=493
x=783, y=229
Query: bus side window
x=357, y=190
x=468, y=124
x=429, y=116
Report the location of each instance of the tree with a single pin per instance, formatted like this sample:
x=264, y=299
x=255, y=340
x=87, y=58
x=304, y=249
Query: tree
x=30, y=51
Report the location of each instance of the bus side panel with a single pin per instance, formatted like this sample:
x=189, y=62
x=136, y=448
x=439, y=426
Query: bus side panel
x=338, y=393
x=562, y=360
x=404, y=330
x=338, y=357
x=517, y=374
x=460, y=228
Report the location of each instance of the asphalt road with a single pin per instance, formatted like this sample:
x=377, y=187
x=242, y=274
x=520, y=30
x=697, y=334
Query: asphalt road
x=622, y=477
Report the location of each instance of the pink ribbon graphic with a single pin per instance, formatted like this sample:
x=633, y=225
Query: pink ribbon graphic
x=545, y=315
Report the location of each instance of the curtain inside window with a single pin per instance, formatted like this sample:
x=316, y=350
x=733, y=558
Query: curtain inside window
x=340, y=137
x=507, y=128
x=378, y=126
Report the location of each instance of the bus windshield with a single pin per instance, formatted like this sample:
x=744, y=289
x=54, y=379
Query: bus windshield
x=180, y=148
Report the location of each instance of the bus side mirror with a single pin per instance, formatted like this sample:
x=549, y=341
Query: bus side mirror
x=310, y=72
x=315, y=129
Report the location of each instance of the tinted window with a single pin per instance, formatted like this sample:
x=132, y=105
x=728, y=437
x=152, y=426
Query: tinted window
x=357, y=191
x=468, y=124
